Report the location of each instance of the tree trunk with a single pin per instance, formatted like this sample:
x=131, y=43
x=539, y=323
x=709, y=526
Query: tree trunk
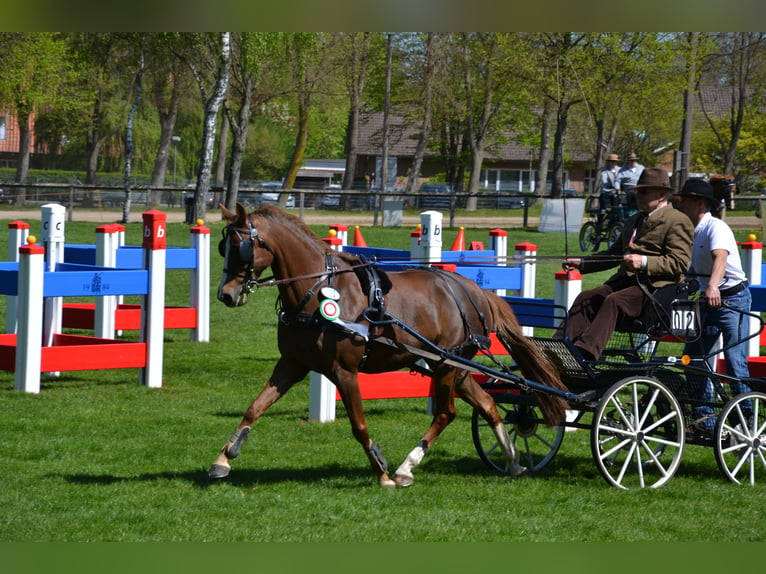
x=301, y=139
x=562, y=119
x=129, y=141
x=212, y=105
x=544, y=156
x=358, y=77
x=220, y=161
x=22, y=169
x=239, y=127
x=167, y=114
x=425, y=126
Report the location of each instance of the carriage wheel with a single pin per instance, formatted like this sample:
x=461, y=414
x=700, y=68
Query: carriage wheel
x=536, y=442
x=589, y=237
x=740, y=438
x=637, y=437
x=613, y=233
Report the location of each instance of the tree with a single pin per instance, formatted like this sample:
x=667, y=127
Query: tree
x=355, y=78
x=253, y=53
x=138, y=90
x=169, y=79
x=427, y=79
x=34, y=74
x=208, y=57
x=737, y=61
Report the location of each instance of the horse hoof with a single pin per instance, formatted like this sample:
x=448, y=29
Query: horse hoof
x=520, y=471
x=404, y=481
x=386, y=482
x=219, y=471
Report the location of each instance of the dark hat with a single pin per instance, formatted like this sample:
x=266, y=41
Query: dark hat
x=613, y=157
x=696, y=187
x=654, y=177
x=632, y=157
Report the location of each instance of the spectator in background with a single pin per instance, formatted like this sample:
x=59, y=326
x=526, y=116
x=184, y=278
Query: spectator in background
x=609, y=184
x=627, y=177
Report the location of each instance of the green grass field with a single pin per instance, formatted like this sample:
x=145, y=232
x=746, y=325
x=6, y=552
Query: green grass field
x=96, y=457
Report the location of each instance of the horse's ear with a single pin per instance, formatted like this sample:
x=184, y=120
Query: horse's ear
x=241, y=212
x=227, y=215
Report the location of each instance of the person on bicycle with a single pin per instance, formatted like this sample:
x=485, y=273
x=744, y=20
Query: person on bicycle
x=723, y=284
x=654, y=250
x=627, y=177
x=609, y=184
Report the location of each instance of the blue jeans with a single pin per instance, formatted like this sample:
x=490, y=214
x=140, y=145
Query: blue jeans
x=729, y=322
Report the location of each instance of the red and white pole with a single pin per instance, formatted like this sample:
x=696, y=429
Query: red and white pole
x=153, y=303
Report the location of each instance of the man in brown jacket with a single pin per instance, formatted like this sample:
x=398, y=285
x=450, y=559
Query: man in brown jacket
x=654, y=250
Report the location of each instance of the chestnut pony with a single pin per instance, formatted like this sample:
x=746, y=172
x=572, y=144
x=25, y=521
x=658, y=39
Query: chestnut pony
x=441, y=307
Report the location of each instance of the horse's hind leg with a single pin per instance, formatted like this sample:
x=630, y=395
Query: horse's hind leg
x=270, y=394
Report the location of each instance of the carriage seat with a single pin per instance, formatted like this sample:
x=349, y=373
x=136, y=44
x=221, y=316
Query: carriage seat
x=656, y=317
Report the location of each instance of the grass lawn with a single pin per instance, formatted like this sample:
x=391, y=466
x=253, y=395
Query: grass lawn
x=96, y=457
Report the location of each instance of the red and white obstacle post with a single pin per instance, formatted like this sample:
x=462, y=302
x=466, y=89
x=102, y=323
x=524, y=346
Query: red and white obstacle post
x=30, y=294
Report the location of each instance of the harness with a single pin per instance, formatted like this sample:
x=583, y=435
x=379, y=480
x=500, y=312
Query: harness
x=372, y=284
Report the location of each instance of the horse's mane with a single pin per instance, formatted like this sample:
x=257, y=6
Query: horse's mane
x=296, y=225
x=290, y=221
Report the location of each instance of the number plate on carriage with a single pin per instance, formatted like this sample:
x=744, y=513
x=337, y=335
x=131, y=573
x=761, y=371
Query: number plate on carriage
x=684, y=320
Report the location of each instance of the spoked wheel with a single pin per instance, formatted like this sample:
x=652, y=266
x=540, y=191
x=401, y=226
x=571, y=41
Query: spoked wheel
x=637, y=437
x=740, y=438
x=613, y=233
x=536, y=442
x=589, y=236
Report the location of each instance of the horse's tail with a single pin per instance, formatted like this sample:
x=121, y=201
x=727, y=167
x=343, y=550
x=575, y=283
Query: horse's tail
x=534, y=364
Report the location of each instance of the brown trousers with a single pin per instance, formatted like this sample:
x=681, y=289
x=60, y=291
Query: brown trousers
x=596, y=313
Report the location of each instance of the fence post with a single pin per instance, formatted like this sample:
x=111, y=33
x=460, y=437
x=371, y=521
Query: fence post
x=53, y=232
x=107, y=242
x=18, y=231
x=752, y=252
x=199, y=291
x=30, y=318
x=431, y=236
x=525, y=254
x=153, y=303
x=498, y=242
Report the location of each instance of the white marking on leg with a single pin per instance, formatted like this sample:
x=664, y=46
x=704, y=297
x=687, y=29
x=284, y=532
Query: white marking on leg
x=404, y=476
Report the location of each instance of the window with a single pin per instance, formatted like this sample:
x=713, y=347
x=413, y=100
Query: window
x=514, y=180
x=2, y=128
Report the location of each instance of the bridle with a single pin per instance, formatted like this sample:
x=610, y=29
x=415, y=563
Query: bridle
x=246, y=253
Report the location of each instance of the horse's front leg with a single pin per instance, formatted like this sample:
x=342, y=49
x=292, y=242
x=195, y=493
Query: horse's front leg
x=280, y=382
x=444, y=414
x=348, y=387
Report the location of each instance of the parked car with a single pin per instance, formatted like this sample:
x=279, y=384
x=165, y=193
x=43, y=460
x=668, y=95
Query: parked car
x=255, y=200
x=330, y=200
x=428, y=201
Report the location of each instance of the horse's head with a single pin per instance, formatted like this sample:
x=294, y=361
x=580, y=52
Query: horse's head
x=245, y=255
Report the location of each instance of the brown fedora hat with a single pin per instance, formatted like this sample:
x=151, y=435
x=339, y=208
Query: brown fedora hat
x=613, y=157
x=654, y=177
x=632, y=157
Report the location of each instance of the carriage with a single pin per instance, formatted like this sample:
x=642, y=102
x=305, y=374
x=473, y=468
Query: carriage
x=340, y=315
x=637, y=400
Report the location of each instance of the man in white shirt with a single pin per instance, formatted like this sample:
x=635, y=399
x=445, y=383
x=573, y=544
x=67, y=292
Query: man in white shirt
x=723, y=284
